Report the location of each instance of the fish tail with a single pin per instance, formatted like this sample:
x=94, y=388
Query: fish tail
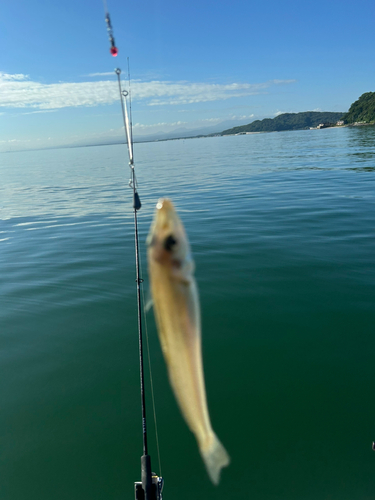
x=215, y=458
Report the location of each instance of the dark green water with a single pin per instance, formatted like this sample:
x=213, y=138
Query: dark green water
x=282, y=228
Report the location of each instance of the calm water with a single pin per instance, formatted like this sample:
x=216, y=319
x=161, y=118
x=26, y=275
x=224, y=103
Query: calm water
x=282, y=227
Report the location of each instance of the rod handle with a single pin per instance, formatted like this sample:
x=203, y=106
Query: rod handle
x=146, y=476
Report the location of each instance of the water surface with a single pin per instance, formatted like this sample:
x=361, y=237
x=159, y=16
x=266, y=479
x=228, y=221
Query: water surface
x=282, y=227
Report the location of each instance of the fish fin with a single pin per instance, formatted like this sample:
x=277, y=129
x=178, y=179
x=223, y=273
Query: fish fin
x=149, y=302
x=215, y=458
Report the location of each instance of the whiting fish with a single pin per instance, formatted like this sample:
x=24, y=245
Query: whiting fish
x=176, y=306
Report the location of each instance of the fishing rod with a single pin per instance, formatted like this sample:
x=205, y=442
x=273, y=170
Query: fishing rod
x=150, y=487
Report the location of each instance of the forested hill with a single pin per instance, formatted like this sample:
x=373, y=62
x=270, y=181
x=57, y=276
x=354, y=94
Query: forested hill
x=362, y=110
x=287, y=121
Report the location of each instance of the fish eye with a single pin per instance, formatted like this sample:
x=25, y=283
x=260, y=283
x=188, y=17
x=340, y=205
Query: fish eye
x=169, y=243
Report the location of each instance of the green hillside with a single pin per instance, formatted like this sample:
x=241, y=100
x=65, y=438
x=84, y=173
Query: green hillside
x=287, y=121
x=362, y=110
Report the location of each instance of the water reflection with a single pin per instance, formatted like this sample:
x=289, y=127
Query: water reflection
x=361, y=146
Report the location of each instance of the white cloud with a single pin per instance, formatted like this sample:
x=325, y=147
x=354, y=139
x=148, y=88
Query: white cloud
x=18, y=91
x=40, y=111
x=278, y=113
x=107, y=73
x=242, y=117
x=166, y=127
x=141, y=126
x=4, y=77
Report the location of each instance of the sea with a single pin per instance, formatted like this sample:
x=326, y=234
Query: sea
x=282, y=229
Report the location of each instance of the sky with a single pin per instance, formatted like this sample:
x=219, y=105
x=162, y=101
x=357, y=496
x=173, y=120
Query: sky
x=193, y=65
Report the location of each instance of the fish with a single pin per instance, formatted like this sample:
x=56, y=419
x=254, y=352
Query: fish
x=174, y=295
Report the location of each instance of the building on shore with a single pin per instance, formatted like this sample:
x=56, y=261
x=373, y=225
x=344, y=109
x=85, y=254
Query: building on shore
x=325, y=125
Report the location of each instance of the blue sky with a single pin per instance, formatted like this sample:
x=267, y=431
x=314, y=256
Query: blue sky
x=193, y=64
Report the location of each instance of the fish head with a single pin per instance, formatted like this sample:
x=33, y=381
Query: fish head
x=167, y=242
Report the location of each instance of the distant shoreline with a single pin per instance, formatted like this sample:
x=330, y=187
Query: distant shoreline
x=208, y=136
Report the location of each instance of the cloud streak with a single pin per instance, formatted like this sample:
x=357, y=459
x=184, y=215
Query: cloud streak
x=18, y=91
x=107, y=73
